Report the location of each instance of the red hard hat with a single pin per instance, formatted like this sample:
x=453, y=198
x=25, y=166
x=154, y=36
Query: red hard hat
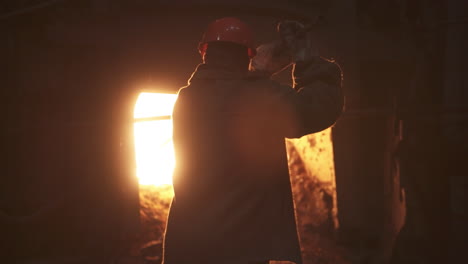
x=228, y=29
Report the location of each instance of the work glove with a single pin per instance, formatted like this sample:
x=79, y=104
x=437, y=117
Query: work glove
x=297, y=41
x=271, y=58
x=308, y=65
x=293, y=45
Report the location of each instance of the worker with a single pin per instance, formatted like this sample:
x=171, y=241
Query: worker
x=232, y=200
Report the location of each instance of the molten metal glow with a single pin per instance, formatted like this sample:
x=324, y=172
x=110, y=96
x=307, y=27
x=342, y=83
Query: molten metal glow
x=153, y=139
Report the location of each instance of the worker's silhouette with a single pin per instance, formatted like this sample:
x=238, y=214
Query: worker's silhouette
x=233, y=200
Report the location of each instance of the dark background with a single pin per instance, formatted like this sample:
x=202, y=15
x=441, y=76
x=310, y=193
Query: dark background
x=71, y=72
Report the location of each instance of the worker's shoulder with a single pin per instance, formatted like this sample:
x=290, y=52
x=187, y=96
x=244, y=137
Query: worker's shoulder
x=182, y=90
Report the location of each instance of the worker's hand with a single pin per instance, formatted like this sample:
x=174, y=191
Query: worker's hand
x=297, y=39
x=271, y=58
x=294, y=44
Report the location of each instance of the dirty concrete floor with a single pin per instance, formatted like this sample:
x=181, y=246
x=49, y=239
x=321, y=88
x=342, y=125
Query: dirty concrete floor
x=318, y=248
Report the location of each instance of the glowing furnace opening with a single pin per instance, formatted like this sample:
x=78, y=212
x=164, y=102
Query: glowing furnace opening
x=154, y=150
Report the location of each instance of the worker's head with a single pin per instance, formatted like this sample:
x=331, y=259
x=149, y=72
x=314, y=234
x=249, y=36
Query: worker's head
x=227, y=39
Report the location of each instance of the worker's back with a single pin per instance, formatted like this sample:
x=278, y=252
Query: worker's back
x=225, y=122
x=231, y=180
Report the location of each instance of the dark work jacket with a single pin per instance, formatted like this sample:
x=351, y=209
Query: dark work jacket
x=233, y=201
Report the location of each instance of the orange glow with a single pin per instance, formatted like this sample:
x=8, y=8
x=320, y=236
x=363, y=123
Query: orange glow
x=153, y=138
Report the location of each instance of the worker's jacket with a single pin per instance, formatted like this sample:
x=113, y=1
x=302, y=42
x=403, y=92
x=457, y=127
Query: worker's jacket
x=233, y=201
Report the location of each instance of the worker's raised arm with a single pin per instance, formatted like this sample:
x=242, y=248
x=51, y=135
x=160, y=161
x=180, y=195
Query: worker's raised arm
x=317, y=99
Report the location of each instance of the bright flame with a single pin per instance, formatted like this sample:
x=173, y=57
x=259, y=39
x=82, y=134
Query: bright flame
x=153, y=139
